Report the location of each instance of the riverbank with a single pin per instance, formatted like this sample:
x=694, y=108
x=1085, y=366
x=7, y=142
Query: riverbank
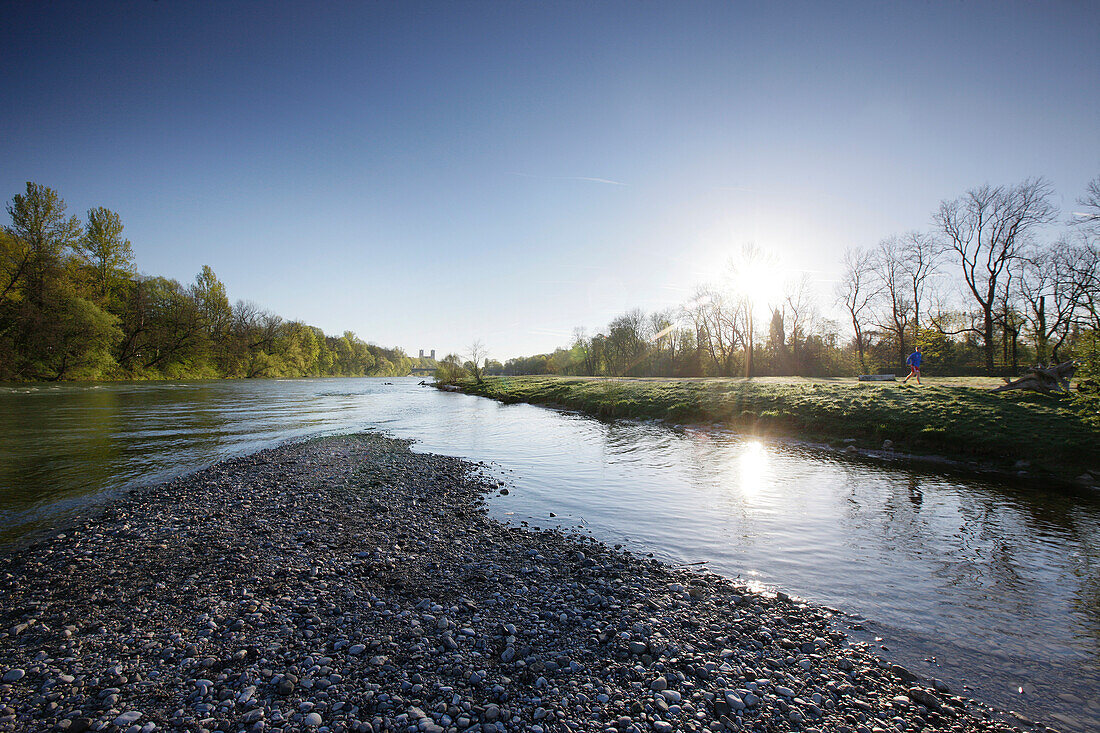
x=350, y=584
x=1014, y=432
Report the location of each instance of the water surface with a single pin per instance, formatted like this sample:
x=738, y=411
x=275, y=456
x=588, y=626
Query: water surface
x=972, y=581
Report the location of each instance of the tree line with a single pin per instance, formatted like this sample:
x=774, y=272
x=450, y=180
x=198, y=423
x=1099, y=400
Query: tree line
x=72, y=306
x=986, y=289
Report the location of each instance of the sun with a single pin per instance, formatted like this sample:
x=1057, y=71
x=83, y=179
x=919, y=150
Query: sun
x=759, y=283
x=749, y=273
x=757, y=277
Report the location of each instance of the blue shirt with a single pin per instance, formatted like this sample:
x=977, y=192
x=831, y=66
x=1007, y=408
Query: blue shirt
x=914, y=359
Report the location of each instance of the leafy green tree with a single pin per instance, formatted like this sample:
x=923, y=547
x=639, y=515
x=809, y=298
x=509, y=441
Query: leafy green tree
x=64, y=337
x=299, y=350
x=39, y=223
x=172, y=328
x=216, y=316
x=82, y=341
x=15, y=257
x=110, y=256
x=450, y=369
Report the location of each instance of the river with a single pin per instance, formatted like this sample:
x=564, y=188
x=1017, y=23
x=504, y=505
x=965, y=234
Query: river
x=975, y=582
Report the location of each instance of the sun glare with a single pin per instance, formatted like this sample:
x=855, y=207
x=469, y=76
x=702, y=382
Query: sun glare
x=753, y=466
x=760, y=282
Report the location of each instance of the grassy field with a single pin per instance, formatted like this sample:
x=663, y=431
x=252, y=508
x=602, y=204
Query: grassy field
x=951, y=417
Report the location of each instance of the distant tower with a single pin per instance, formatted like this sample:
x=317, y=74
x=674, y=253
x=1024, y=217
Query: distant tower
x=422, y=353
x=433, y=354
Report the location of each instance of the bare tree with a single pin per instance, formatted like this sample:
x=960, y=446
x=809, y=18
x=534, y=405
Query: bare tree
x=661, y=325
x=1009, y=319
x=1038, y=277
x=1089, y=216
x=856, y=290
x=987, y=228
x=802, y=306
x=717, y=327
x=477, y=353
x=750, y=264
x=894, y=309
x=1086, y=269
x=921, y=255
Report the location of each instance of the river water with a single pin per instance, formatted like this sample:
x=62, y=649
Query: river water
x=975, y=582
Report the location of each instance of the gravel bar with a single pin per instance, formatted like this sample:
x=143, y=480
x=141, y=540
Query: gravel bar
x=349, y=584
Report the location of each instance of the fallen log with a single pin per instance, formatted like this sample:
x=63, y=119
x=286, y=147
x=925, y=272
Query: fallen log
x=1054, y=378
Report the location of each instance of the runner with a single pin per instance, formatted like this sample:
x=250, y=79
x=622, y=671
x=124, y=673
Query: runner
x=914, y=365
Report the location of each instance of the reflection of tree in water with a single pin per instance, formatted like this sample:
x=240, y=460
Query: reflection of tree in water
x=985, y=546
x=916, y=496
x=1087, y=570
x=624, y=437
x=900, y=526
x=67, y=444
x=60, y=443
x=1070, y=520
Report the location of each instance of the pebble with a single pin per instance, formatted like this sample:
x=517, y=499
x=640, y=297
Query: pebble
x=734, y=700
x=127, y=719
x=349, y=584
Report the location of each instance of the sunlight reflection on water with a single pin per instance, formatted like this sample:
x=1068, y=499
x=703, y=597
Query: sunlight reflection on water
x=753, y=466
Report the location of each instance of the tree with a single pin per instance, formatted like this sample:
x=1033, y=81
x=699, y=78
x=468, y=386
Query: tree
x=1089, y=216
x=111, y=257
x=987, y=229
x=80, y=337
x=39, y=223
x=921, y=254
x=15, y=256
x=856, y=291
x=214, y=310
x=717, y=327
x=748, y=271
x=800, y=303
x=627, y=345
x=892, y=308
x=660, y=326
x=777, y=342
x=449, y=369
x=173, y=327
x=1038, y=278
x=583, y=347
x=477, y=354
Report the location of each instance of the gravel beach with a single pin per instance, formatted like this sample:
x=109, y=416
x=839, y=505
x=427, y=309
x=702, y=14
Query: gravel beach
x=349, y=584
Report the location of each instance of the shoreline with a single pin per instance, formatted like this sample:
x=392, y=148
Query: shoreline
x=792, y=412
x=347, y=583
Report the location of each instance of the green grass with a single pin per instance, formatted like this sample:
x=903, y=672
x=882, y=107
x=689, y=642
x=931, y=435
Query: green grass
x=951, y=417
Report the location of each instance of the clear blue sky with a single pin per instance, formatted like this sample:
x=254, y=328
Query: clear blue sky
x=427, y=174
